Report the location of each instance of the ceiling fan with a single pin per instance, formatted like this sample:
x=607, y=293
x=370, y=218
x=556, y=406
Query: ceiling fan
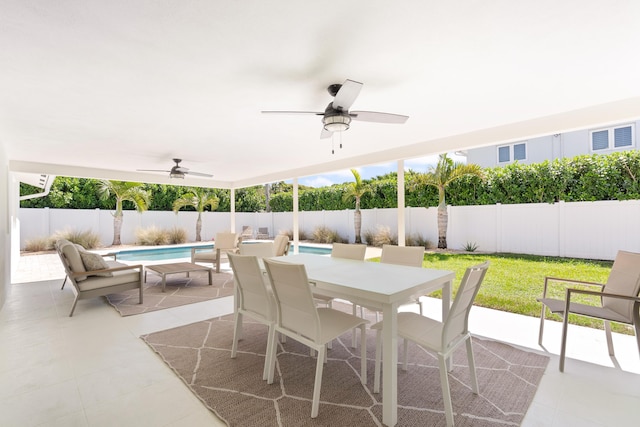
x=337, y=117
x=177, y=171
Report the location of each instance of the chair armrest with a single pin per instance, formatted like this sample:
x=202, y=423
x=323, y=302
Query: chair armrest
x=111, y=254
x=561, y=280
x=106, y=270
x=600, y=294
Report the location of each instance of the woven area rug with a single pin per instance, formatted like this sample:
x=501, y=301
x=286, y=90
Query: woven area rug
x=180, y=290
x=199, y=354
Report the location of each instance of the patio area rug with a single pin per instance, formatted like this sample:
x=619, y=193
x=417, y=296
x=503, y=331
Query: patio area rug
x=180, y=290
x=199, y=354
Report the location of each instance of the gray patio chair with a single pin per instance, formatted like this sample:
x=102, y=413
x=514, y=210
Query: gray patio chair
x=263, y=233
x=618, y=300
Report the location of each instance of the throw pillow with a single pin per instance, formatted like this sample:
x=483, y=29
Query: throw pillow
x=94, y=262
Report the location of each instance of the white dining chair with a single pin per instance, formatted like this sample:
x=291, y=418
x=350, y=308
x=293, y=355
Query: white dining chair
x=253, y=299
x=349, y=250
x=441, y=337
x=258, y=249
x=300, y=319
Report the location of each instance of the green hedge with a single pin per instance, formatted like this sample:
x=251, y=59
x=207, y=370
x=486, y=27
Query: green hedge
x=582, y=178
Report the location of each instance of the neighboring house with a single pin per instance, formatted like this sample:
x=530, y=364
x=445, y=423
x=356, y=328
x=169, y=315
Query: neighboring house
x=601, y=140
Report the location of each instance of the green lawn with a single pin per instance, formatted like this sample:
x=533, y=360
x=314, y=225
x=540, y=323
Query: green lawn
x=513, y=282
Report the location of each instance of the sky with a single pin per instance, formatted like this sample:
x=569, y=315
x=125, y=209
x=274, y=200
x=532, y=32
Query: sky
x=420, y=164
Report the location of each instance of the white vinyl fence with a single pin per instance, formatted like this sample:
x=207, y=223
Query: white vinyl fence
x=594, y=230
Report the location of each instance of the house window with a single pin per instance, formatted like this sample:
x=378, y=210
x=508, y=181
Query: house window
x=617, y=137
x=508, y=153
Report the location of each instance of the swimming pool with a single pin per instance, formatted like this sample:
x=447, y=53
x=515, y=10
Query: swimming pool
x=165, y=253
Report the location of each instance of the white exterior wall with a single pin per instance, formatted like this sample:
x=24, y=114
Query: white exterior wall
x=595, y=230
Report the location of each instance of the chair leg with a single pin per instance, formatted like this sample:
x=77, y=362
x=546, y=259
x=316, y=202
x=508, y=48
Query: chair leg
x=271, y=338
x=236, y=334
x=542, y=316
x=446, y=394
x=65, y=281
x=376, y=375
x=472, y=366
x=354, y=310
x=607, y=331
x=141, y=293
x=73, y=307
x=421, y=304
x=363, y=354
x=272, y=356
x=563, y=345
x=315, y=405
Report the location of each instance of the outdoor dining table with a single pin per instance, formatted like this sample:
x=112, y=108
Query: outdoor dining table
x=383, y=286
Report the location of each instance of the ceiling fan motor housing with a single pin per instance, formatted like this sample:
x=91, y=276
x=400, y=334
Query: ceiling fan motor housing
x=335, y=120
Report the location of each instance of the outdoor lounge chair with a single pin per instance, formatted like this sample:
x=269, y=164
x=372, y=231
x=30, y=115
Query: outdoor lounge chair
x=247, y=233
x=92, y=276
x=619, y=301
x=443, y=338
x=224, y=242
x=263, y=233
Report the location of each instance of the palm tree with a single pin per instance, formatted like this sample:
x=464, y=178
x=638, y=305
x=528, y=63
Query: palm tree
x=199, y=199
x=123, y=190
x=355, y=191
x=445, y=172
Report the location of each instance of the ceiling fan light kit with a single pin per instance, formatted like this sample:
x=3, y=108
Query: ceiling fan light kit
x=336, y=123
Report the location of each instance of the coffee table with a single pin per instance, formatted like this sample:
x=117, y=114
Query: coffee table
x=176, y=267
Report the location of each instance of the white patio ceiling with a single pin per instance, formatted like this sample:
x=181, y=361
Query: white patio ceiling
x=102, y=88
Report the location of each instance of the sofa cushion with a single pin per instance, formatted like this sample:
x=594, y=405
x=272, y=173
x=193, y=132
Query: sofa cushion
x=72, y=255
x=93, y=261
x=118, y=278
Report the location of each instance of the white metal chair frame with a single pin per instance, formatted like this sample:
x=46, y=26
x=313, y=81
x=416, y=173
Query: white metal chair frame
x=441, y=337
x=299, y=318
x=253, y=299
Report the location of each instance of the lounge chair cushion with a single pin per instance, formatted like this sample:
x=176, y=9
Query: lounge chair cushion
x=72, y=254
x=119, y=277
x=93, y=261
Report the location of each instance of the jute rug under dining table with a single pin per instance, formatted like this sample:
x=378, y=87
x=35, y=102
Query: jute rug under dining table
x=180, y=290
x=199, y=354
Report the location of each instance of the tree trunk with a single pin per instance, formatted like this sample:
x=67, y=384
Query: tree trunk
x=199, y=228
x=443, y=219
x=117, y=227
x=357, y=220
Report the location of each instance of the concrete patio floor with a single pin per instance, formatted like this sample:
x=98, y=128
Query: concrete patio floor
x=93, y=370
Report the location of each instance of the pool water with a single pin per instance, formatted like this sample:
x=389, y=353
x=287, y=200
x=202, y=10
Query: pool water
x=161, y=254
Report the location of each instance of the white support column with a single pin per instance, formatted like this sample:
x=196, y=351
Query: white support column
x=296, y=232
x=400, y=210
x=232, y=219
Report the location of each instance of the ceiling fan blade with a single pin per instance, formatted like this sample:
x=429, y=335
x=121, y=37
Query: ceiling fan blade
x=293, y=112
x=199, y=174
x=374, y=116
x=325, y=133
x=347, y=95
x=152, y=170
x=180, y=169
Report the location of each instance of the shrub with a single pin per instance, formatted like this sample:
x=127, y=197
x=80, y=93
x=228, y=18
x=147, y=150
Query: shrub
x=177, y=235
x=418, y=240
x=302, y=235
x=383, y=236
x=152, y=236
x=326, y=235
x=87, y=239
x=39, y=244
x=470, y=246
